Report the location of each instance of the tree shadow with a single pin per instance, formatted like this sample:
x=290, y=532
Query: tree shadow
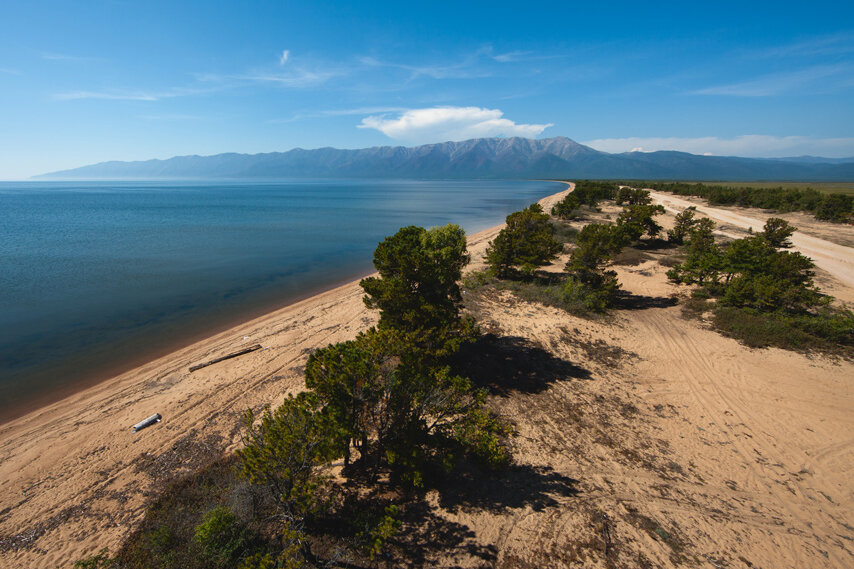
x=629, y=301
x=516, y=486
x=427, y=536
x=511, y=364
x=653, y=244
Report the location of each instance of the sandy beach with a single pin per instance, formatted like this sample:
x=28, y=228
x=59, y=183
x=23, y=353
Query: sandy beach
x=740, y=457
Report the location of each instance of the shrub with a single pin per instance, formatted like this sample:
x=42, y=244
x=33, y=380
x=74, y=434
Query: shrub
x=684, y=224
x=777, y=232
x=632, y=196
x=221, y=537
x=527, y=241
x=285, y=450
x=100, y=560
x=596, y=293
x=637, y=220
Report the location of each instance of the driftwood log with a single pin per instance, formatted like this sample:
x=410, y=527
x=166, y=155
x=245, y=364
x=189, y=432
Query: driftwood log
x=147, y=422
x=226, y=357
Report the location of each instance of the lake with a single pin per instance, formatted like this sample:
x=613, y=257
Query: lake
x=96, y=277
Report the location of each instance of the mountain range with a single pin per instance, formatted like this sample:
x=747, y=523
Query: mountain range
x=558, y=157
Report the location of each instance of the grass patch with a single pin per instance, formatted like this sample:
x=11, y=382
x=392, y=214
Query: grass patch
x=830, y=330
x=564, y=232
x=631, y=257
x=544, y=288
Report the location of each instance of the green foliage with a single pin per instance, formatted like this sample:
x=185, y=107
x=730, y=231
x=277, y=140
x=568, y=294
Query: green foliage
x=685, y=222
x=588, y=283
x=597, y=244
x=830, y=207
x=221, y=537
x=591, y=192
x=285, y=450
x=777, y=232
x=705, y=259
x=835, y=207
x=567, y=208
x=376, y=529
x=632, y=196
x=417, y=291
x=761, y=277
x=100, y=560
x=637, y=220
x=396, y=409
x=527, y=241
x=290, y=555
x=827, y=330
x=595, y=290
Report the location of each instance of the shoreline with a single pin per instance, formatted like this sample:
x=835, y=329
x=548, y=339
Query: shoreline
x=121, y=365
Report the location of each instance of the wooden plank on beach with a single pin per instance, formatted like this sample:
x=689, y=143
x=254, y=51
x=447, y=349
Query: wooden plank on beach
x=226, y=357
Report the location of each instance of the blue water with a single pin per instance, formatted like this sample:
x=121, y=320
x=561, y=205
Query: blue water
x=97, y=275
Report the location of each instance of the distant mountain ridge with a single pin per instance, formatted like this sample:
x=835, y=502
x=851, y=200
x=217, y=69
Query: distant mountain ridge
x=557, y=157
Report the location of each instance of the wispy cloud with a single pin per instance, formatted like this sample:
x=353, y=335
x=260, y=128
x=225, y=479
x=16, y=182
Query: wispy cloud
x=464, y=69
x=294, y=78
x=284, y=57
x=67, y=57
x=780, y=83
x=106, y=95
x=9, y=71
x=449, y=123
x=835, y=44
x=120, y=95
x=166, y=117
x=754, y=145
x=338, y=113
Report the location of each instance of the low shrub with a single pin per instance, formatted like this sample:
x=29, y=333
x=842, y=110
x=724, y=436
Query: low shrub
x=828, y=330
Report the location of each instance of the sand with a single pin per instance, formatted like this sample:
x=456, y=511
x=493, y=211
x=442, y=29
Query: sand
x=685, y=446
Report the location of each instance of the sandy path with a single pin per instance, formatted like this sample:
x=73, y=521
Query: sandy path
x=74, y=478
x=837, y=260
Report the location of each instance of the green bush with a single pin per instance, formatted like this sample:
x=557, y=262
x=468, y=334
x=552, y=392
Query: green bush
x=527, y=241
x=594, y=297
x=827, y=330
x=100, y=560
x=221, y=537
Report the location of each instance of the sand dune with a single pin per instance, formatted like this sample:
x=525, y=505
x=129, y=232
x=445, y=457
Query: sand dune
x=690, y=448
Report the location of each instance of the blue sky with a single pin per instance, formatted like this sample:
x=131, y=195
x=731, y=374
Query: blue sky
x=83, y=82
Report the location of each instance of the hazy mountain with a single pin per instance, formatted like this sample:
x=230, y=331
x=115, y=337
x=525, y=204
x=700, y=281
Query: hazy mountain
x=557, y=157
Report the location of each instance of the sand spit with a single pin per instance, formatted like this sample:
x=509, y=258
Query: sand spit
x=670, y=442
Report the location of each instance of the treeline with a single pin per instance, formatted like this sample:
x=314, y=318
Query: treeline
x=388, y=405
x=834, y=207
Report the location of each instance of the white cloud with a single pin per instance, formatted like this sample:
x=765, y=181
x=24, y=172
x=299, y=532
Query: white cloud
x=284, y=57
x=753, y=145
x=440, y=124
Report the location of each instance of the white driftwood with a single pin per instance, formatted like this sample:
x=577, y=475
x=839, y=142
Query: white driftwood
x=147, y=422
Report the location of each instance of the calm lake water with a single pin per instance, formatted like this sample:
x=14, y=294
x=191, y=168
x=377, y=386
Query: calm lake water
x=98, y=276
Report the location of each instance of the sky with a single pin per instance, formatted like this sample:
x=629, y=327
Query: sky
x=88, y=81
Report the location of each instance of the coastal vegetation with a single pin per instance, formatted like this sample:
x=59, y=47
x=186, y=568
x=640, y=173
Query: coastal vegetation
x=587, y=284
x=761, y=293
x=837, y=207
